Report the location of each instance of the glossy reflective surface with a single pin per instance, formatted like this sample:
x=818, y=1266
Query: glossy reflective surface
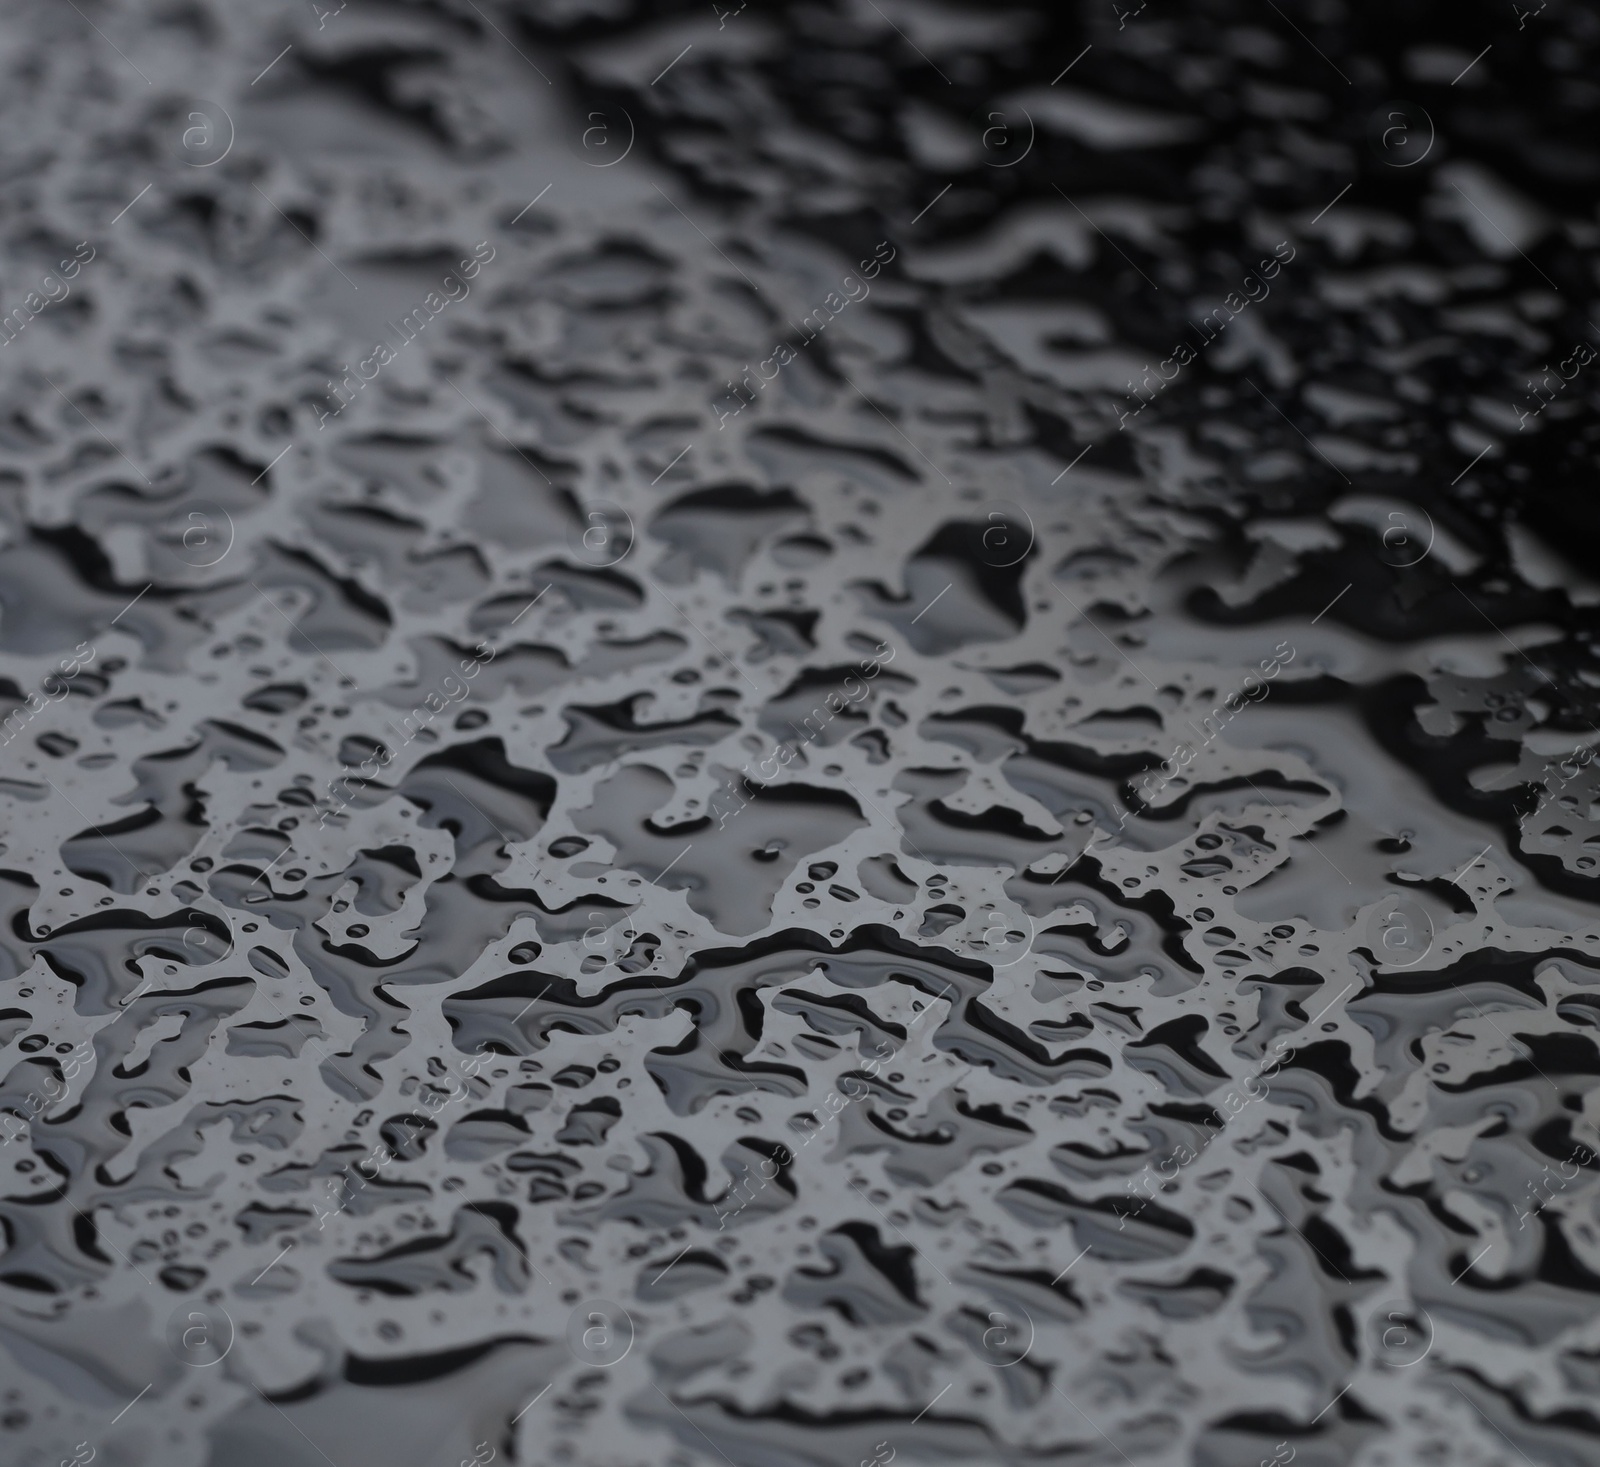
x=798, y=735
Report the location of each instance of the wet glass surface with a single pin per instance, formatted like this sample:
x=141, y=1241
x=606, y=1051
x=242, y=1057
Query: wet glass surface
x=799, y=734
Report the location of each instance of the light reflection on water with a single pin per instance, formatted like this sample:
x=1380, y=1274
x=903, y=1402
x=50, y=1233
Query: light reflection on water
x=657, y=809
